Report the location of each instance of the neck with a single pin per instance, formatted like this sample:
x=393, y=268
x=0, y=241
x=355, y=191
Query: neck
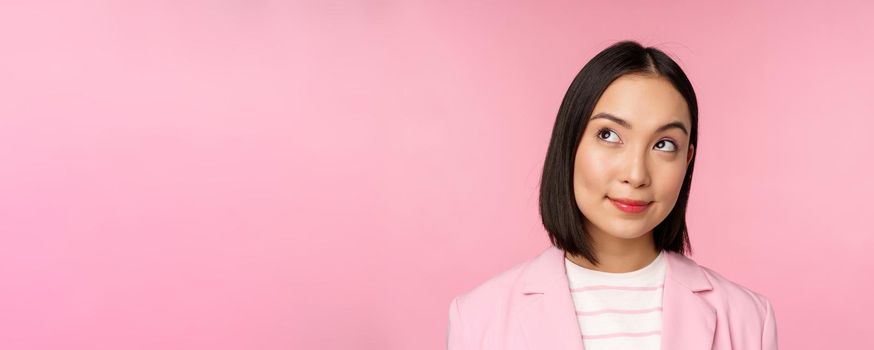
x=619, y=255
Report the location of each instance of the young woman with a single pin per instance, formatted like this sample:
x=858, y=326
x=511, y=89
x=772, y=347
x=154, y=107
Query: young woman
x=613, y=198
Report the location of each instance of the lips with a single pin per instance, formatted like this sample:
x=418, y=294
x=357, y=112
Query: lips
x=629, y=201
x=630, y=205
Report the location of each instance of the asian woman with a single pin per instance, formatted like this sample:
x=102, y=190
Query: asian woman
x=613, y=198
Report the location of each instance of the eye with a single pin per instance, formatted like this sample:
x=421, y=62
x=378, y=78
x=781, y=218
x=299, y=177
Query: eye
x=607, y=132
x=604, y=134
x=665, y=142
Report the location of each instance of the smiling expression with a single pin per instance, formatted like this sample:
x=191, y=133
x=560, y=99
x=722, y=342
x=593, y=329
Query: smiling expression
x=636, y=147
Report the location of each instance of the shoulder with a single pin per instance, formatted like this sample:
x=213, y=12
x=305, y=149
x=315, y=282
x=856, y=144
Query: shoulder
x=480, y=310
x=741, y=311
x=494, y=290
x=735, y=299
x=500, y=296
x=731, y=288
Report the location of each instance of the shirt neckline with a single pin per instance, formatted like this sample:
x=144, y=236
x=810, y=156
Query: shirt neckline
x=636, y=273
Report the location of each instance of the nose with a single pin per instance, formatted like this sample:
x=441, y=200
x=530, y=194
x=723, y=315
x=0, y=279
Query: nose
x=635, y=171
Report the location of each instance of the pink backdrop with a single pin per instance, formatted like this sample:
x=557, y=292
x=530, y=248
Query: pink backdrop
x=327, y=175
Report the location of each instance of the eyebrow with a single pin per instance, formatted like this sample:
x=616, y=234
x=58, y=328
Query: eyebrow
x=620, y=121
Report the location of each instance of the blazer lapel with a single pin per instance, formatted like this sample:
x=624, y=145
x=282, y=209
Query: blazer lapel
x=688, y=322
x=549, y=320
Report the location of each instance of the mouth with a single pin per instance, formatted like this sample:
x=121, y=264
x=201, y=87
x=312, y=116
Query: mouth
x=628, y=205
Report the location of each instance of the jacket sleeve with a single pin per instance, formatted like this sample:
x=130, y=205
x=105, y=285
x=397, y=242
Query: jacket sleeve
x=455, y=335
x=769, y=328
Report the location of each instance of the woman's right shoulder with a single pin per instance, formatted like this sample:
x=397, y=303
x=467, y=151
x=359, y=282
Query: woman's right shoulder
x=484, y=310
x=495, y=292
x=498, y=283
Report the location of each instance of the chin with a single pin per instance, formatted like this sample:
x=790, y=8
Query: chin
x=628, y=233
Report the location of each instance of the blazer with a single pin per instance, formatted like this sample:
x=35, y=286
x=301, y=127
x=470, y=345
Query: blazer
x=529, y=306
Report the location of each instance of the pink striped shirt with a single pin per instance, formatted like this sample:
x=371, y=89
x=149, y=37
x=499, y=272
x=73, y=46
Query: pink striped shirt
x=619, y=310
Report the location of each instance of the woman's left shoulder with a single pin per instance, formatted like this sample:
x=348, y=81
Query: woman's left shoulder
x=742, y=310
x=733, y=296
x=730, y=286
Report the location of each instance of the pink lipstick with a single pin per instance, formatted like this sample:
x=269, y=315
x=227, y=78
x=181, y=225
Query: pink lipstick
x=629, y=205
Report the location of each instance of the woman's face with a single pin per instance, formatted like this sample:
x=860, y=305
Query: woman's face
x=625, y=153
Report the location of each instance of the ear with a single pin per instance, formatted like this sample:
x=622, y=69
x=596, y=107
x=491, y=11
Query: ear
x=690, y=154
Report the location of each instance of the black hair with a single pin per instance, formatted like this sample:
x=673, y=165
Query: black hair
x=561, y=217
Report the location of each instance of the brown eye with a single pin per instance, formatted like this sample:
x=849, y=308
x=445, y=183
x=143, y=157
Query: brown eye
x=605, y=133
x=666, y=142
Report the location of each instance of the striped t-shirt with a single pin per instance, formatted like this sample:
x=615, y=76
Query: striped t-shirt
x=619, y=310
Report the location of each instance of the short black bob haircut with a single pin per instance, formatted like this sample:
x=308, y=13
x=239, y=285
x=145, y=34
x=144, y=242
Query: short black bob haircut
x=561, y=217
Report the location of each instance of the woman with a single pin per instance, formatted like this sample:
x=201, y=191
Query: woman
x=613, y=198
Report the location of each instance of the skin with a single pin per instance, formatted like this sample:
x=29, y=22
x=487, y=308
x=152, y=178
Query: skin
x=638, y=163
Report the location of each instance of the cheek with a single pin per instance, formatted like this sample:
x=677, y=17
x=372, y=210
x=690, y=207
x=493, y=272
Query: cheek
x=670, y=182
x=591, y=172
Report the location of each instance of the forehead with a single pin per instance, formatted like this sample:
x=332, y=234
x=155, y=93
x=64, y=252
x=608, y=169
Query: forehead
x=647, y=101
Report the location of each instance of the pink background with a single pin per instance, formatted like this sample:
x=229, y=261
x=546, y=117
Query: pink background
x=327, y=175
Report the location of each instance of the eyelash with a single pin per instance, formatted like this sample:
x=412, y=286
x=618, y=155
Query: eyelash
x=602, y=130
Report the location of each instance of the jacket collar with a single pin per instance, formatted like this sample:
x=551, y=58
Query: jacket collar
x=550, y=322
